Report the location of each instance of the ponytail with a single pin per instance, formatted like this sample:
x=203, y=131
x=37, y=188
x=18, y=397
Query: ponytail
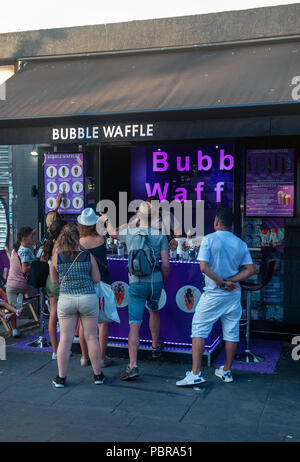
x=47, y=248
x=54, y=231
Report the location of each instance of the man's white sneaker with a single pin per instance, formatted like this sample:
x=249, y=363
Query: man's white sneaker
x=225, y=376
x=191, y=379
x=54, y=355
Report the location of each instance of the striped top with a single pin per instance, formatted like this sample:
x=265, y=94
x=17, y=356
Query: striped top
x=78, y=280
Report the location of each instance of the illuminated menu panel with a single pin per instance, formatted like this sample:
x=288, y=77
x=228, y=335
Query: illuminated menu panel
x=270, y=183
x=63, y=173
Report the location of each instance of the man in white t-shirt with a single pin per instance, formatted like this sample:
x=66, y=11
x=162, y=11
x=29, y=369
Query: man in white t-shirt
x=221, y=256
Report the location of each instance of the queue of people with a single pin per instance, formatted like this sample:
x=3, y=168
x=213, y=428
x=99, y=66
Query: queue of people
x=78, y=260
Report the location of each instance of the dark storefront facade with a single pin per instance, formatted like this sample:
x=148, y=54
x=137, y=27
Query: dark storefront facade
x=233, y=111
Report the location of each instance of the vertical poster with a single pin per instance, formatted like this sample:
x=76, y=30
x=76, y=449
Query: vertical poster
x=270, y=183
x=265, y=239
x=63, y=173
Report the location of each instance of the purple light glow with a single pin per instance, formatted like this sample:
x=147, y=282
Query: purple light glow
x=208, y=348
x=171, y=261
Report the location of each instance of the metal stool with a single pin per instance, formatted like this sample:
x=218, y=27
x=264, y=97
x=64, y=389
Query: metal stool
x=42, y=341
x=248, y=356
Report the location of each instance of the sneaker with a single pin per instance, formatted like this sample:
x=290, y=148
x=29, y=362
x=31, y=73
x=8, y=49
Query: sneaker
x=84, y=362
x=106, y=362
x=76, y=340
x=191, y=379
x=99, y=379
x=156, y=352
x=16, y=333
x=54, y=355
x=59, y=382
x=129, y=373
x=225, y=376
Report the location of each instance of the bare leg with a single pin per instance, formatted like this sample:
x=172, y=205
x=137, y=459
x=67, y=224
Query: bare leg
x=133, y=343
x=230, y=348
x=83, y=345
x=77, y=328
x=67, y=329
x=13, y=322
x=53, y=323
x=103, y=336
x=154, y=326
x=90, y=330
x=198, y=346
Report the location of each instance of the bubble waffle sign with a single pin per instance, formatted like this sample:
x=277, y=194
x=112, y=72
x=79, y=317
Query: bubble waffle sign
x=103, y=132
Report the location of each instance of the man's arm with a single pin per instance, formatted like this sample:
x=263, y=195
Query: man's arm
x=165, y=265
x=25, y=267
x=229, y=286
x=110, y=229
x=57, y=203
x=53, y=271
x=245, y=273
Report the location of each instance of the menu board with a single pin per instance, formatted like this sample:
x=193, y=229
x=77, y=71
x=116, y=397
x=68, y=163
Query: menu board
x=64, y=173
x=270, y=183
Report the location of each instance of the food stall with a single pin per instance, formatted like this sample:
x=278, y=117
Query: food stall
x=257, y=183
x=185, y=173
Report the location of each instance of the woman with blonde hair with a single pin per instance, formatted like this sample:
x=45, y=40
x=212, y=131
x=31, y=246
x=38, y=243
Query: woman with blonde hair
x=76, y=271
x=94, y=243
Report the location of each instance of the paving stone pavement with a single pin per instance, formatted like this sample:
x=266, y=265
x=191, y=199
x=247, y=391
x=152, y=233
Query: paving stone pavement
x=255, y=407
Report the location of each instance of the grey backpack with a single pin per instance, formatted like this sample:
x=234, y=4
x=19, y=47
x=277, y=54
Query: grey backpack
x=141, y=259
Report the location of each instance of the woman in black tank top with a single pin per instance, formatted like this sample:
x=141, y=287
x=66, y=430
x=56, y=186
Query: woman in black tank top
x=91, y=241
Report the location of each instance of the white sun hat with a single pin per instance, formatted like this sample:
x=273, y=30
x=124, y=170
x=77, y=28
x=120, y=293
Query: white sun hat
x=88, y=217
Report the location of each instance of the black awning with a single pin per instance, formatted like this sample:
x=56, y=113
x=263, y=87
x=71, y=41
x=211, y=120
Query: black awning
x=122, y=84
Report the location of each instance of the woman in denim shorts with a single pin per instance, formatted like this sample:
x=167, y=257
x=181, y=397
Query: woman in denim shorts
x=76, y=271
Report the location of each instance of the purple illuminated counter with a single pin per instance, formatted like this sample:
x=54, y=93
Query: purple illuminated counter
x=177, y=305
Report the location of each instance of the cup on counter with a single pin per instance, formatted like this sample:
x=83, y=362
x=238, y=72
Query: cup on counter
x=173, y=254
x=185, y=255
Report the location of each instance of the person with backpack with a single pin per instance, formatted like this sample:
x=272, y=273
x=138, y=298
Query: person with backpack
x=147, y=277
x=21, y=258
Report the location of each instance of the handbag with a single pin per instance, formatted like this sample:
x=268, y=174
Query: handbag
x=37, y=275
x=39, y=271
x=107, y=303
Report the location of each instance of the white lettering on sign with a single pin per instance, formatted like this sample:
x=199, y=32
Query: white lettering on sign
x=112, y=131
x=108, y=132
